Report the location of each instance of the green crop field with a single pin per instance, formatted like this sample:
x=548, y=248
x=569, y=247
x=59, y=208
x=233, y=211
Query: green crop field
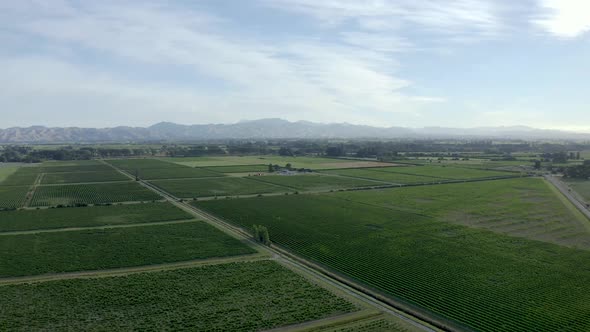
x=316, y=182
x=477, y=278
x=239, y=169
x=140, y=164
x=228, y=297
x=96, y=249
x=389, y=177
x=89, y=216
x=228, y=186
x=12, y=196
x=174, y=173
x=72, y=163
x=446, y=172
x=24, y=176
x=582, y=187
x=80, y=177
x=296, y=162
x=524, y=207
x=56, y=168
x=6, y=172
x=91, y=194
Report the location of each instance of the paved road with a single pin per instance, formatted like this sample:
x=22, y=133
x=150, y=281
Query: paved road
x=562, y=187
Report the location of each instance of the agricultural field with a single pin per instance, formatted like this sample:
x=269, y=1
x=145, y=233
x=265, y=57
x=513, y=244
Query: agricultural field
x=316, y=182
x=446, y=172
x=175, y=173
x=81, y=177
x=58, y=168
x=207, y=187
x=479, y=163
x=228, y=297
x=523, y=207
x=296, y=162
x=582, y=187
x=96, y=249
x=91, y=194
x=12, y=196
x=5, y=171
x=124, y=214
x=239, y=169
x=131, y=165
x=469, y=276
x=24, y=176
x=388, y=177
x=71, y=163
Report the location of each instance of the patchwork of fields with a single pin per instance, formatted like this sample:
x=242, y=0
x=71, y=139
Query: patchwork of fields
x=316, y=182
x=97, y=249
x=202, y=278
x=91, y=194
x=454, y=242
x=464, y=274
x=420, y=174
x=315, y=163
x=228, y=186
x=93, y=216
x=225, y=297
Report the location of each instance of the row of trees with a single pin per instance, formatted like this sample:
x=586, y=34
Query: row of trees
x=578, y=171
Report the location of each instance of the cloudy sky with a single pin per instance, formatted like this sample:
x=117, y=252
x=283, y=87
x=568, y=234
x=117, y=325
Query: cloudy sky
x=459, y=63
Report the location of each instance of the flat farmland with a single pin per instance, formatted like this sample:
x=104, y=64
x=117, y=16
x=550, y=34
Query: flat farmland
x=91, y=194
x=239, y=169
x=175, y=173
x=524, y=207
x=131, y=165
x=228, y=297
x=24, y=176
x=446, y=172
x=95, y=249
x=316, y=182
x=12, y=196
x=389, y=177
x=80, y=177
x=56, y=168
x=296, y=162
x=72, y=163
x=25, y=220
x=6, y=171
x=227, y=186
x=469, y=276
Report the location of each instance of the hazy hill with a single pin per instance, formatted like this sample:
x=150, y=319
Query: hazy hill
x=265, y=128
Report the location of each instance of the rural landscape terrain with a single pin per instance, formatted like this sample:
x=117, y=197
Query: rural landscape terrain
x=295, y=166
x=296, y=235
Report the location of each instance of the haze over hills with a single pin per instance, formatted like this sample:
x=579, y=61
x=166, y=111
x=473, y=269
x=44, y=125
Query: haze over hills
x=267, y=128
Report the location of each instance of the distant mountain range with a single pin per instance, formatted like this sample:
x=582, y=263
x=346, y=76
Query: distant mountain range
x=266, y=128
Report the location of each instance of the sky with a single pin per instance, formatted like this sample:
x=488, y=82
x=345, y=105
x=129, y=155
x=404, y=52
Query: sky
x=411, y=63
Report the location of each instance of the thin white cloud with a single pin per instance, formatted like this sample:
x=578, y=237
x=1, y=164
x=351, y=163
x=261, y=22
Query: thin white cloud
x=564, y=18
x=291, y=79
x=479, y=17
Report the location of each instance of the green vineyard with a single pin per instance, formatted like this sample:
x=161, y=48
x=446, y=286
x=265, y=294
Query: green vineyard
x=91, y=194
x=483, y=280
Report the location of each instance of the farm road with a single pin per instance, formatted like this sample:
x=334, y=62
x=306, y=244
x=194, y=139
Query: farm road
x=134, y=269
x=562, y=187
x=70, y=229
